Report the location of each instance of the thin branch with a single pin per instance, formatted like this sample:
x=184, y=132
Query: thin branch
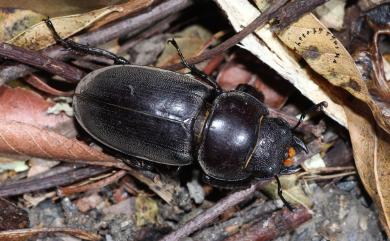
x=36, y=59
x=67, y=191
x=212, y=213
x=23, y=234
x=141, y=21
x=276, y=225
x=333, y=176
x=37, y=184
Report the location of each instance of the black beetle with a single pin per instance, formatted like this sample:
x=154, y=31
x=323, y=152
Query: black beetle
x=175, y=119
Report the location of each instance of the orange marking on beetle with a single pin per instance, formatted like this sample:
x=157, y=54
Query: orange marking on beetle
x=288, y=162
x=291, y=152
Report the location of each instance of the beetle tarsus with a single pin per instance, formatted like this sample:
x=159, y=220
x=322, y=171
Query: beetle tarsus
x=194, y=71
x=280, y=193
x=317, y=107
x=69, y=44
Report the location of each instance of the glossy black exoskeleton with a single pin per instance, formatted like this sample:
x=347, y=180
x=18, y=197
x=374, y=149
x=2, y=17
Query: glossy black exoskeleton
x=175, y=119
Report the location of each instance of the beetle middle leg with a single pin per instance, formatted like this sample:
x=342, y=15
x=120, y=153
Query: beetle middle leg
x=280, y=193
x=69, y=44
x=194, y=71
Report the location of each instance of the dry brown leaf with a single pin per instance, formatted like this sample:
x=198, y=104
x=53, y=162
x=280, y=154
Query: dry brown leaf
x=16, y=20
x=23, y=105
x=371, y=147
x=22, y=139
x=327, y=56
x=39, y=36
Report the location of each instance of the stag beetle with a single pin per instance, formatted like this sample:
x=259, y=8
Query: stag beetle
x=175, y=119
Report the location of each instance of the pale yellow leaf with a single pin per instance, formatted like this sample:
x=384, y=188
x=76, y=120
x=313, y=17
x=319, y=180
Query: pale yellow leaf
x=39, y=36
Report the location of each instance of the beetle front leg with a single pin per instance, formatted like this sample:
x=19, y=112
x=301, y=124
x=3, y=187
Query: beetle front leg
x=69, y=44
x=315, y=107
x=280, y=193
x=194, y=71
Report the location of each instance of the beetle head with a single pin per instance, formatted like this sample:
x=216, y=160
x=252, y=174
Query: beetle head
x=275, y=147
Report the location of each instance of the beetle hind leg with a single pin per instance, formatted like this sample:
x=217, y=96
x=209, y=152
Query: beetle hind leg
x=69, y=44
x=194, y=71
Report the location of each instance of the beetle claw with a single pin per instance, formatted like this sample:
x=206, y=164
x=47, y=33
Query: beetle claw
x=299, y=144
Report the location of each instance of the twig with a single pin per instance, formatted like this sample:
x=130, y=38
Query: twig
x=36, y=59
x=280, y=223
x=254, y=212
x=66, y=191
x=36, y=184
x=294, y=10
x=212, y=213
x=157, y=28
x=23, y=234
x=128, y=25
x=328, y=170
x=333, y=176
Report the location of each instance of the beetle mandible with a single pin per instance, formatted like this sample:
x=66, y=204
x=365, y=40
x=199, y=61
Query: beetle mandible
x=176, y=119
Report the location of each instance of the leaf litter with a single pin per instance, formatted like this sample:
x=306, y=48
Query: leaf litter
x=154, y=218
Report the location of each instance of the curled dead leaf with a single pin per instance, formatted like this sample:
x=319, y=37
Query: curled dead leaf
x=23, y=105
x=22, y=139
x=371, y=147
x=327, y=56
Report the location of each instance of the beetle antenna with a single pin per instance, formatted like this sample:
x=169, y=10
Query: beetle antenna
x=316, y=107
x=194, y=71
x=69, y=44
x=280, y=194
